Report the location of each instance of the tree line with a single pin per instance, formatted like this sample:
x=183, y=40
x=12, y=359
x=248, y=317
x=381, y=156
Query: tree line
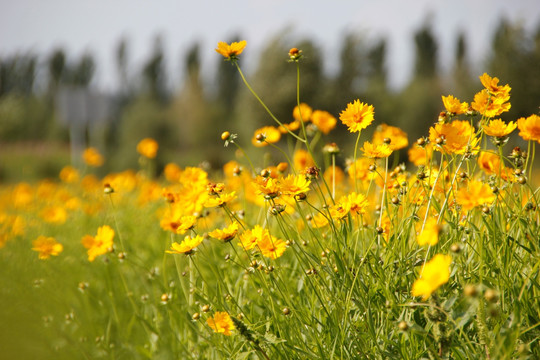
x=186, y=120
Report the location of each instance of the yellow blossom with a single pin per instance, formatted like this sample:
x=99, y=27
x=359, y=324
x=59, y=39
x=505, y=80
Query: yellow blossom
x=456, y=137
x=294, y=185
x=69, y=174
x=435, y=273
x=92, y=157
x=475, y=194
x=529, y=128
x=430, y=234
x=376, y=151
x=100, y=244
x=454, y=106
x=266, y=135
x=47, y=246
x=221, y=323
x=489, y=105
x=324, y=121
x=302, y=112
x=186, y=246
x=357, y=116
x=498, y=128
x=271, y=247
x=398, y=138
x=226, y=234
x=231, y=51
x=148, y=148
x=302, y=160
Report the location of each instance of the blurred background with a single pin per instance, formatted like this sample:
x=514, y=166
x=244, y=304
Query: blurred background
x=107, y=74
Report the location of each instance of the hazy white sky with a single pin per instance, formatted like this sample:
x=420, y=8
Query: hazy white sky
x=97, y=26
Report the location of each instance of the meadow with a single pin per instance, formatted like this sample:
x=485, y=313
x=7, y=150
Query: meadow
x=287, y=256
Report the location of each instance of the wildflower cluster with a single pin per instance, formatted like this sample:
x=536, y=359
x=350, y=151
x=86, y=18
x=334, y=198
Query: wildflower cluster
x=304, y=255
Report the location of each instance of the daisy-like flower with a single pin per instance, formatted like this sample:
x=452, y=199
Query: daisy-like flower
x=490, y=105
x=226, y=234
x=231, y=52
x=302, y=160
x=492, y=85
x=221, y=322
x=222, y=199
x=475, y=194
x=69, y=174
x=357, y=116
x=357, y=202
x=430, y=234
x=54, y=214
x=268, y=187
x=47, y=246
x=101, y=244
x=250, y=238
x=456, y=137
x=271, y=247
x=319, y=221
x=175, y=221
x=435, y=273
x=398, y=137
x=529, y=128
x=420, y=155
x=92, y=157
x=186, y=246
x=148, y=148
x=324, y=121
x=491, y=164
x=266, y=135
x=498, y=128
x=294, y=185
x=454, y=106
x=302, y=112
x=376, y=151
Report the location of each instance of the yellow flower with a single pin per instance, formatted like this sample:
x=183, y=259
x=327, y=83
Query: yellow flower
x=69, y=174
x=148, y=148
x=476, y=194
x=435, y=273
x=498, y=128
x=292, y=126
x=232, y=51
x=357, y=203
x=177, y=223
x=271, y=247
x=172, y=172
x=398, y=138
x=186, y=246
x=430, y=234
x=266, y=135
x=489, y=105
x=492, y=85
x=221, y=323
x=324, y=121
x=357, y=116
x=220, y=200
x=361, y=167
x=376, y=151
x=454, y=106
x=47, y=246
x=54, y=215
x=302, y=160
x=226, y=234
x=319, y=221
x=456, y=137
x=100, y=244
x=529, y=128
x=92, y=157
x=419, y=155
x=294, y=185
x=250, y=238
x=302, y=112
x=491, y=164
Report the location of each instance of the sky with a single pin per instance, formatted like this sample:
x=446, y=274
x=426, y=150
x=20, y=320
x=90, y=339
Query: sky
x=96, y=26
